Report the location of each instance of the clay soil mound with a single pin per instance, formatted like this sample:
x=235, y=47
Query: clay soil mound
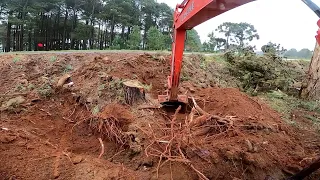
x=52, y=133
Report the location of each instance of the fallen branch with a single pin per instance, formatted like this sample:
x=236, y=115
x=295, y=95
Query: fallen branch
x=102, y=148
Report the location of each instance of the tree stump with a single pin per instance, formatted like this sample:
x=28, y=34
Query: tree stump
x=133, y=92
x=311, y=87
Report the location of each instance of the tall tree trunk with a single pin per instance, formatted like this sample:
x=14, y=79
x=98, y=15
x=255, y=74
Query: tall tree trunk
x=100, y=37
x=57, y=33
x=311, y=87
x=92, y=35
x=35, y=35
x=64, y=35
x=112, y=30
x=15, y=38
x=106, y=37
x=8, y=38
x=74, y=24
x=21, y=38
x=91, y=41
x=47, y=34
x=29, y=41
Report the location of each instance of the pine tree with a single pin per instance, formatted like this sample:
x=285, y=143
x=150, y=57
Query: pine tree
x=155, y=39
x=135, y=38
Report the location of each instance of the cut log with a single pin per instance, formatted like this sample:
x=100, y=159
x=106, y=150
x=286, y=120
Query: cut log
x=133, y=92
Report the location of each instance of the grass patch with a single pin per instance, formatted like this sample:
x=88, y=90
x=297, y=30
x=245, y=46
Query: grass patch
x=16, y=59
x=68, y=68
x=285, y=104
x=53, y=59
x=45, y=91
x=216, y=58
x=312, y=118
x=95, y=110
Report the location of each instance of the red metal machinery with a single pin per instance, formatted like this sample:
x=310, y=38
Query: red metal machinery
x=189, y=14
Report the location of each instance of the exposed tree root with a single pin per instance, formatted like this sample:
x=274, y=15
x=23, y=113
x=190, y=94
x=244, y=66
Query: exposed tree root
x=111, y=128
x=102, y=148
x=169, y=141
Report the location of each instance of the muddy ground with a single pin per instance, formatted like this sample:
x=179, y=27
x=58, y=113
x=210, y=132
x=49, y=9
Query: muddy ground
x=50, y=132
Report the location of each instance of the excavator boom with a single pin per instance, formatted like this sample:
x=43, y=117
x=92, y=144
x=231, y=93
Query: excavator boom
x=189, y=14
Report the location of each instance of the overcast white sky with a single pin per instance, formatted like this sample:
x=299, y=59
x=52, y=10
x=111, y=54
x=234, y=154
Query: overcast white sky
x=288, y=22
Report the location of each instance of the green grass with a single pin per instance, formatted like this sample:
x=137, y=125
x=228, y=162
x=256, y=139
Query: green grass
x=285, y=104
x=312, y=118
x=215, y=58
x=68, y=68
x=16, y=59
x=53, y=59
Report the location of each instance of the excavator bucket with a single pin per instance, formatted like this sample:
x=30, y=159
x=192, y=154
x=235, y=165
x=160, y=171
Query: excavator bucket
x=172, y=98
x=164, y=100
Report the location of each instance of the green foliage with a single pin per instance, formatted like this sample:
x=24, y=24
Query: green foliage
x=313, y=119
x=68, y=68
x=45, y=90
x=135, y=38
x=20, y=88
x=53, y=59
x=82, y=32
x=81, y=24
x=210, y=46
x=16, y=59
x=118, y=43
x=95, y=110
x=155, y=39
x=31, y=87
x=273, y=49
x=193, y=42
x=260, y=73
x=2, y=33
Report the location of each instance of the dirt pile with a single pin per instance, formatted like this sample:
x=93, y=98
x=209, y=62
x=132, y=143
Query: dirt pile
x=54, y=132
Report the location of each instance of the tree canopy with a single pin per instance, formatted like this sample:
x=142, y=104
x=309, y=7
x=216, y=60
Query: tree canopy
x=86, y=24
x=237, y=34
x=229, y=35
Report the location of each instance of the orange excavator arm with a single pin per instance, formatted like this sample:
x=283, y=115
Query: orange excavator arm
x=189, y=14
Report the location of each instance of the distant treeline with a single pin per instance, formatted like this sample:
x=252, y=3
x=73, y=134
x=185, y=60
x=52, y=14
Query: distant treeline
x=28, y=25
x=32, y=25
x=302, y=54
